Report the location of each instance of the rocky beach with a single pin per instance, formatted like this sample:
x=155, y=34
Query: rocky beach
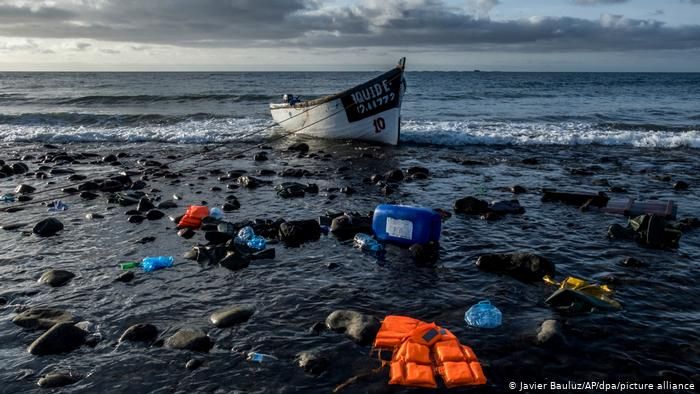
x=311, y=303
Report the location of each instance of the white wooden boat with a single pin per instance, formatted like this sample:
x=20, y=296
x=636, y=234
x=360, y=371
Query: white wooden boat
x=370, y=111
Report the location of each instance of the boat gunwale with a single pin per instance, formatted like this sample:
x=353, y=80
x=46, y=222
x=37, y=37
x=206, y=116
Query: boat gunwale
x=329, y=98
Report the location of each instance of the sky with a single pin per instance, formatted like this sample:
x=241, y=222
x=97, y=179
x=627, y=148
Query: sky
x=490, y=35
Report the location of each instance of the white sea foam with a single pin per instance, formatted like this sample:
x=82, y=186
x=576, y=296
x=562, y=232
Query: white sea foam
x=495, y=133
x=448, y=133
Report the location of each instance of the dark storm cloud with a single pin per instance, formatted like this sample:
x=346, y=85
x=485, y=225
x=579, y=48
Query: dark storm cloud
x=310, y=24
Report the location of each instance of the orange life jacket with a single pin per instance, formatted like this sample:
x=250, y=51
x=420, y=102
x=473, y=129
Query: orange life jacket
x=193, y=217
x=421, y=350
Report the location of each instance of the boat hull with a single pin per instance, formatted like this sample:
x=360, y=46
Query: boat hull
x=369, y=112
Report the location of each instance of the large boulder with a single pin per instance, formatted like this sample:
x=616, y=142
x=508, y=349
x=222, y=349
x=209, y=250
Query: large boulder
x=190, y=339
x=47, y=227
x=56, y=278
x=61, y=338
x=359, y=327
x=526, y=267
x=42, y=318
x=230, y=316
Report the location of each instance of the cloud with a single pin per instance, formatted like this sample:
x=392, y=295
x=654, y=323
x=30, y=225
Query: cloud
x=598, y=2
x=305, y=24
x=481, y=8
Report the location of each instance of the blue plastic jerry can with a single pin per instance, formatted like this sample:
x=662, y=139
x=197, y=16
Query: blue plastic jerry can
x=406, y=225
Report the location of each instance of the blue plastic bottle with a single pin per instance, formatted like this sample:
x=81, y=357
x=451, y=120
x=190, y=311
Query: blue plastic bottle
x=150, y=264
x=368, y=244
x=260, y=357
x=256, y=243
x=7, y=197
x=405, y=225
x=216, y=213
x=483, y=315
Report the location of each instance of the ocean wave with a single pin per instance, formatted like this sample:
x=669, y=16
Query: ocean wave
x=455, y=133
x=205, y=128
x=192, y=131
x=101, y=120
x=145, y=99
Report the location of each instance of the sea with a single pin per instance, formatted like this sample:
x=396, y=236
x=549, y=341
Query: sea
x=654, y=110
x=478, y=134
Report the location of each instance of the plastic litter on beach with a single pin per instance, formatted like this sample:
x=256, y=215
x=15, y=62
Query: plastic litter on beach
x=406, y=225
x=368, y=244
x=578, y=295
x=648, y=230
x=483, y=315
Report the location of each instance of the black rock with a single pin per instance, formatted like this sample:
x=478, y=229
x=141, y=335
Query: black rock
x=600, y=182
x=313, y=362
x=57, y=379
x=299, y=231
x=261, y=156
x=526, y=267
x=24, y=189
x=140, y=333
x=189, y=339
x=47, y=227
x=346, y=226
x=216, y=237
x=332, y=265
x=517, y=189
x=617, y=189
x=93, y=216
x=471, y=206
x=88, y=195
x=291, y=190
x=131, y=212
x=111, y=185
x=418, y=170
x=357, y=326
x=299, y=147
x=24, y=198
x=109, y=158
x=56, y=278
x=19, y=168
x=250, y=182
x=125, y=277
x=42, y=318
x=154, y=214
x=233, y=260
x=146, y=240
x=231, y=316
x=77, y=177
x=89, y=185
x=680, y=185
x=138, y=185
x=347, y=190
x=145, y=205
x=530, y=160
x=318, y=328
x=193, y=364
x=263, y=254
x=186, y=233
x=166, y=204
x=394, y=176
x=425, y=254
x=311, y=188
x=633, y=262
x=136, y=219
x=61, y=338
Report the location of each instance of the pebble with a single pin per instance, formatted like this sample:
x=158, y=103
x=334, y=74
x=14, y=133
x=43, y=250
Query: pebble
x=93, y=216
x=136, y=219
x=56, y=278
x=154, y=214
x=231, y=316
